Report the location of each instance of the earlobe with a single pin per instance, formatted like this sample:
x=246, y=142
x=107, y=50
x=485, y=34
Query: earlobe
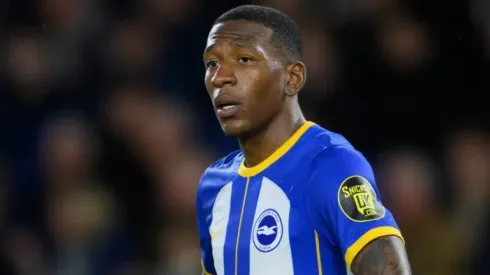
x=297, y=78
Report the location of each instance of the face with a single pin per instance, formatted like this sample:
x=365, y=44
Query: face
x=245, y=77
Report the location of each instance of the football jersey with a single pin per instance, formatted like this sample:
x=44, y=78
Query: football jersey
x=309, y=208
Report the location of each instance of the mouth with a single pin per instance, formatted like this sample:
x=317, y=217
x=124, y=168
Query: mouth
x=226, y=106
x=228, y=110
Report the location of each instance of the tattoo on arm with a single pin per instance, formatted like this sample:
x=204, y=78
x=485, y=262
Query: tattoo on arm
x=383, y=256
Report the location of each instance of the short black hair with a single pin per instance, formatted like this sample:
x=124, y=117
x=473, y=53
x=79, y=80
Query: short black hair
x=286, y=32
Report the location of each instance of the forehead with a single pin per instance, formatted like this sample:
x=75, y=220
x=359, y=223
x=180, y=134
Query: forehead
x=240, y=30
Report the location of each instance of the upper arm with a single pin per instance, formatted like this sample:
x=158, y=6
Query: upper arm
x=203, y=219
x=344, y=204
x=383, y=256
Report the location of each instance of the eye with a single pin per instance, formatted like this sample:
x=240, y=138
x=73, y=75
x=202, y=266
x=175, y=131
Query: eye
x=211, y=64
x=244, y=59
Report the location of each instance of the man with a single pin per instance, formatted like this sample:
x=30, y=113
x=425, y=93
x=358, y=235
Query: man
x=296, y=199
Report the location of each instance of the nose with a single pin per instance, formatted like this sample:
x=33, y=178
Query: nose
x=224, y=75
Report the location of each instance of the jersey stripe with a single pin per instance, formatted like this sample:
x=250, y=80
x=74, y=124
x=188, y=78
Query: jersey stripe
x=276, y=259
x=318, y=254
x=237, y=195
x=244, y=200
x=247, y=225
x=218, y=228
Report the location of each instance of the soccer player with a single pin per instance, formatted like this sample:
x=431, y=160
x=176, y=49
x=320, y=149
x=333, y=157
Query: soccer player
x=297, y=198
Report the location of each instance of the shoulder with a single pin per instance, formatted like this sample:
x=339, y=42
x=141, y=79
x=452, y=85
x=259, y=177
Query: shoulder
x=332, y=159
x=219, y=173
x=343, y=158
x=336, y=156
x=225, y=165
x=339, y=164
x=325, y=138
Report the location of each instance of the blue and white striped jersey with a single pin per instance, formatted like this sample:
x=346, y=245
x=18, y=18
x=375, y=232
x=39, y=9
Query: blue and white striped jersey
x=307, y=209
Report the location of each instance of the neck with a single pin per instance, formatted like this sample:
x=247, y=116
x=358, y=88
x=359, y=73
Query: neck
x=258, y=147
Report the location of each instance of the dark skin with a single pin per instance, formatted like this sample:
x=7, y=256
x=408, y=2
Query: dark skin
x=241, y=63
x=244, y=64
x=383, y=256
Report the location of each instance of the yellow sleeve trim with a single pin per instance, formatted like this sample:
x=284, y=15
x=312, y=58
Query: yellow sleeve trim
x=204, y=268
x=366, y=238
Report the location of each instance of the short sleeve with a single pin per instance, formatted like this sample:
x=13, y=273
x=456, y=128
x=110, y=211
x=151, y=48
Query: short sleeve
x=204, y=237
x=343, y=202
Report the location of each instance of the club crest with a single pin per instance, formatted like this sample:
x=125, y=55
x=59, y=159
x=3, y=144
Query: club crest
x=267, y=231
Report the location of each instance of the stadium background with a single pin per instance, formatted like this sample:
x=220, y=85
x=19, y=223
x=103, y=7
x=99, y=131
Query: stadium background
x=105, y=125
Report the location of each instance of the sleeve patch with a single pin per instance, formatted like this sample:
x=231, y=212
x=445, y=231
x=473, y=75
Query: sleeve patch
x=357, y=200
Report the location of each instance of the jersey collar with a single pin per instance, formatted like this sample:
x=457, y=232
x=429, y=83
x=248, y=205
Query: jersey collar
x=283, y=149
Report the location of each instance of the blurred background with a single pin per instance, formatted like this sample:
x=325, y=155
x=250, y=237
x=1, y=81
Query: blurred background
x=105, y=126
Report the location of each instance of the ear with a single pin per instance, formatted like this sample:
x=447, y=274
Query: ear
x=296, y=78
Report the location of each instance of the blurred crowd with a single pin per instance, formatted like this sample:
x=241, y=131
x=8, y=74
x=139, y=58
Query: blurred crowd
x=105, y=126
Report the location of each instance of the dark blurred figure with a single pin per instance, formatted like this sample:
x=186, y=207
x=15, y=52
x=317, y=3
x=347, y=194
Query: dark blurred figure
x=132, y=51
x=81, y=213
x=168, y=15
x=159, y=131
x=404, y=44
x=26, y=253
x=321, y=57
x=73, y=29
x=408, y=181
x=25, y=99
x=468, y=162
x=27, y=66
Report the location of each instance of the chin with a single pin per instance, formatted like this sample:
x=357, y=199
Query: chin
x=234, y=128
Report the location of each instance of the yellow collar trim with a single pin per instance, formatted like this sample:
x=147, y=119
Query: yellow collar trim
x=252, y=171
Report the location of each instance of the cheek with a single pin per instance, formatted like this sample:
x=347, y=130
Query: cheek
x=274, y=87
x=279, y=82
x=249, y=78
x=254, y=86
x=207, y=81
x=266, y=101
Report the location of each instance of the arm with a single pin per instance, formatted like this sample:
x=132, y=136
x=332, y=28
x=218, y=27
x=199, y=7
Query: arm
x=383, y=256
x=345, y=207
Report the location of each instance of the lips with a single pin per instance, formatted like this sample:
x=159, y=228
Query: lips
x=227, y=106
